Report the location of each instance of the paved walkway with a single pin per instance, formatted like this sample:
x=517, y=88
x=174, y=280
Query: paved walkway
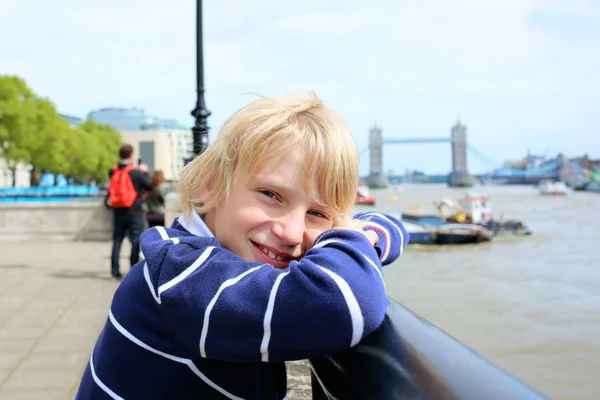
x=54, y=300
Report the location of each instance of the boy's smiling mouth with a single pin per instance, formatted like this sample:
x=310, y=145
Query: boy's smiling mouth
x=271, y=255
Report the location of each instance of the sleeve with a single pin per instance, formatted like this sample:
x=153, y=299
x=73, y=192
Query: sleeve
x=161, y=195
x=145, y=181
x=107, y=204
x=220, y=306
x=141, y=180
x=393, y=236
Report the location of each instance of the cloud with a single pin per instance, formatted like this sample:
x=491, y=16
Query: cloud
x=589, y=8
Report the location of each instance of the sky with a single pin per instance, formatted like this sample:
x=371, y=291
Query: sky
x=521, y=75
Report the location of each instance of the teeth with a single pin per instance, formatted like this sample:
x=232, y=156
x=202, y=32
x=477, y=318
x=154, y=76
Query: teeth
x=271, y=254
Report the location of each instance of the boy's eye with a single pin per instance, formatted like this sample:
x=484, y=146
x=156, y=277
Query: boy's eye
x=268, y=193
x=317, y=214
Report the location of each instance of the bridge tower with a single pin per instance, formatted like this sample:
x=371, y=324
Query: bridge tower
x=459, y=177
x=376, y=179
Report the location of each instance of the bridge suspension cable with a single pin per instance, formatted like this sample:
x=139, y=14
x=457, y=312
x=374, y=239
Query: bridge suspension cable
x=482, y=157
x=490, y=162
x=487, y=160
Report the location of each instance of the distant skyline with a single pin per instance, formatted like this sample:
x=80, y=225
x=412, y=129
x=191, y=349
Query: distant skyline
x=520, y=74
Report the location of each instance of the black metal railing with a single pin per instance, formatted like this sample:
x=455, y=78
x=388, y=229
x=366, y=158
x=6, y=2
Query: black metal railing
x=409, y=358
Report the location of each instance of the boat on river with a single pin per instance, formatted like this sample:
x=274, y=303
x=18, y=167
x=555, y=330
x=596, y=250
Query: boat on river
x=419, y=233
x=549, y=187
x=472, y=211
x=462, y=234
x=446, y=233
x=363, y=196
x=476, y=209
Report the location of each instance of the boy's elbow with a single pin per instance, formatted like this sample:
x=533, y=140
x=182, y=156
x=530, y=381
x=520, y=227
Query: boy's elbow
x=405, y=235
x=375, y=314
x=401, y=240
x=366, y=315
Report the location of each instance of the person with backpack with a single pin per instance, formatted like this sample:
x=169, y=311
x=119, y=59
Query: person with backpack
x=126, y=186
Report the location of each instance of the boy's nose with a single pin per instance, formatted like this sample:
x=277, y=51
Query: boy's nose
x=291, y=228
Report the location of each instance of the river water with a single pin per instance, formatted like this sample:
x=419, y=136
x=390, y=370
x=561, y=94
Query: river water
x=529, y=304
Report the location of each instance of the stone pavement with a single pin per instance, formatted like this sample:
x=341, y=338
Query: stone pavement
x=54, y=300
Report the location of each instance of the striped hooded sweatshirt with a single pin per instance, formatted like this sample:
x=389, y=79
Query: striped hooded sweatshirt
x=194, y=321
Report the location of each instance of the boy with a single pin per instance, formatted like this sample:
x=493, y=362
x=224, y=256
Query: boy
x=263, y=266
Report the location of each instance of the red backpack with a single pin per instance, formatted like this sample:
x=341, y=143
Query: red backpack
x=121, y=192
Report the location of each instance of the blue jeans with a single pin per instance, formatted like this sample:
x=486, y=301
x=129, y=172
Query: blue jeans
x=126, y=223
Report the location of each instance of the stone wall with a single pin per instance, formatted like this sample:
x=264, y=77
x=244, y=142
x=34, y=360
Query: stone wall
x=172, y=209
x=61, y=220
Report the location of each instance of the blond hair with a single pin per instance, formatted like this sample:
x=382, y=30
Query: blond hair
x=272, y=126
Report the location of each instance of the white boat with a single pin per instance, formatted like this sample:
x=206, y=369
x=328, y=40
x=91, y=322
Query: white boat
x=473, y=208
x=551, y=188
x=363, y=191
x=476, y=209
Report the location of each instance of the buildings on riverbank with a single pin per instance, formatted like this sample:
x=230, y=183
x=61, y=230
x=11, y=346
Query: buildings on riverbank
x=133, y=119
x=161, y=149
x=161, y=143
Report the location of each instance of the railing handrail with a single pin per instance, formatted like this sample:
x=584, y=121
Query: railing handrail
x=409, y=358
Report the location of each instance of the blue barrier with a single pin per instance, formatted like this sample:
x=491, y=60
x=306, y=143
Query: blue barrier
x=54, y=191
x=409, y=358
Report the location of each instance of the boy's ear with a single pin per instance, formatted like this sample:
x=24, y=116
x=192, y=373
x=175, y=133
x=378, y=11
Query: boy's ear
x=205, y=193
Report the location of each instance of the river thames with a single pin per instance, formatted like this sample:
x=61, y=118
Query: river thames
x=529, y=304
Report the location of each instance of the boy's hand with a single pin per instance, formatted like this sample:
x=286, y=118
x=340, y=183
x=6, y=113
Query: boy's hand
x=357, y=225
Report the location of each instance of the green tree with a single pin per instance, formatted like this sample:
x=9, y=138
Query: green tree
x=77, y=150
x=48, y=151
x=32, y=132
x=17, y=113
x=105, y=141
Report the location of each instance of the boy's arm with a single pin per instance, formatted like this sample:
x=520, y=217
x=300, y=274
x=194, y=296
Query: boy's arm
x=393, y=237
x=223, y=307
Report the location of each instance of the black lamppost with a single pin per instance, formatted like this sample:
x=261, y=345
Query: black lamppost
x=200, y=113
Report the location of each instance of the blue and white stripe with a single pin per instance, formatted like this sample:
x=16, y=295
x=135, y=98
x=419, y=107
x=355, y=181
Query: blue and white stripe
x=190, y=293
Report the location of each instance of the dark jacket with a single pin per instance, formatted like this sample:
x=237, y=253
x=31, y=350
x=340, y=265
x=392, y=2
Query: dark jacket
x=141, y=183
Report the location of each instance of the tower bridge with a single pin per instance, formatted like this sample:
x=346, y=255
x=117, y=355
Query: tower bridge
x=458, y=144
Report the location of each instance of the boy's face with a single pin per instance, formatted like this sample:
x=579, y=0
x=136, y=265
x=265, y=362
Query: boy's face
x=270, y=218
